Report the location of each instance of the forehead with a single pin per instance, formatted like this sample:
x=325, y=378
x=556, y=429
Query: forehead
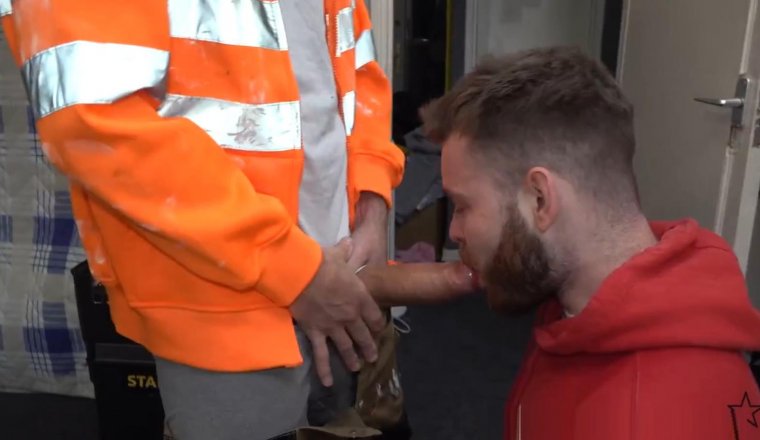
x=460, y=167
x=456, y=157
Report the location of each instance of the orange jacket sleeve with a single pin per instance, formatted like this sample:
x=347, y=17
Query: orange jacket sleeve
x=375, y=163
x=165, y=175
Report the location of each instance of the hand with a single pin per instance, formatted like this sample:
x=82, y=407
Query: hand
x=370, y=235
x=336, y=305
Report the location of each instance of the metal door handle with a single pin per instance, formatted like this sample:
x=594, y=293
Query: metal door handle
x=736, y=103
x=725, y=102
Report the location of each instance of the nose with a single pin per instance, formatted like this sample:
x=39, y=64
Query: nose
x=455, y=229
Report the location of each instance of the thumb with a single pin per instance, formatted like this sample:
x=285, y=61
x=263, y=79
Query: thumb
x=344, y=249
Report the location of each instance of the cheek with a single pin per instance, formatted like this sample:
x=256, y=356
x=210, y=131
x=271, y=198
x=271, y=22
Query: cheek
x=481, y=240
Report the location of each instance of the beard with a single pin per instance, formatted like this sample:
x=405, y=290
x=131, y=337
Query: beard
x=519, y=276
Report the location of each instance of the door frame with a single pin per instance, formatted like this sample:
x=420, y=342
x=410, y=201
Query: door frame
x=381, y=12
x=737, y=221
x=737, y=204
x=470, y=35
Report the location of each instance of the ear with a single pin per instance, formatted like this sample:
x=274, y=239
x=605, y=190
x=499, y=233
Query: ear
x=541, y=193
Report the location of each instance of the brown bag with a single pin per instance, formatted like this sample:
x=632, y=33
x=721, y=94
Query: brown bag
x=347, y=425
x=379, y=396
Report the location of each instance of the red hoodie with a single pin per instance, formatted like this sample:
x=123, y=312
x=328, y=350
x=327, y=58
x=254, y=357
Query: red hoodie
x=655, y=355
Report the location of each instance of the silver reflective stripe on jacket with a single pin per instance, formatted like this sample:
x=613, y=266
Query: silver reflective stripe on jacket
x=345, y=25
x=5, y=7
x=365, y=49
x=85, y=72
x=349, y=111
x=252, y=23
x=239, y=126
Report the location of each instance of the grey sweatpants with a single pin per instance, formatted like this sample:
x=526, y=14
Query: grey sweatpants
x=206, y=405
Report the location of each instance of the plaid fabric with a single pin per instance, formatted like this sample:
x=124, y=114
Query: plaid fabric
x=41, y=348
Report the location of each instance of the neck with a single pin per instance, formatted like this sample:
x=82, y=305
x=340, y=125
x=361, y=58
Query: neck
x=600, y=253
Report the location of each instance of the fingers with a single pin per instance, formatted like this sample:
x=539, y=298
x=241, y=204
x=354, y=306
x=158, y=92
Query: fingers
x=371, y=314
x=321, y=356
x=351, y=252
x=369, y=247
x=357, y=259
x=362, y=336
x=345, y=347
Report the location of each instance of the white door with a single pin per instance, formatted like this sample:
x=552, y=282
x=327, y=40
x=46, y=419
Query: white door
x=696, y=159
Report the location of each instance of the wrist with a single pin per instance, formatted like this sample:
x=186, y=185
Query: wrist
x=371, y=208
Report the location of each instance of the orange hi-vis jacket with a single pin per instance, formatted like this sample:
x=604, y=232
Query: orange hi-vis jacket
x=177, y=123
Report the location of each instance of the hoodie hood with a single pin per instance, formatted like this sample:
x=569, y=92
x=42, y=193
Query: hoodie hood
x=686, y=291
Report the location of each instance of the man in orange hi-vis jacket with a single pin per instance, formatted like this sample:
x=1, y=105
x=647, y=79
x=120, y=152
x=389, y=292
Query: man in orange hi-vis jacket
x=217, y=150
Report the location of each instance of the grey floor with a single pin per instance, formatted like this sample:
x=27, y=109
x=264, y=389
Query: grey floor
x=457, y=364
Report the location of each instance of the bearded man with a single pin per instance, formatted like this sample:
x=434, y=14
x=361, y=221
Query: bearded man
x=642, y=324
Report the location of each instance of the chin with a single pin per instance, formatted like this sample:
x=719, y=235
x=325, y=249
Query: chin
x=509, y=306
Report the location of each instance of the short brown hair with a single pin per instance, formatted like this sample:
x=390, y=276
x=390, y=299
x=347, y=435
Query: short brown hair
x=552, y=107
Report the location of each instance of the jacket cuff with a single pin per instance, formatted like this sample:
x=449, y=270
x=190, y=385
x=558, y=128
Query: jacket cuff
x=373, y=174
x=292, y=262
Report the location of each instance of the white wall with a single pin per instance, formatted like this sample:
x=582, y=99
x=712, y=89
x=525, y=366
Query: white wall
x=505, y=26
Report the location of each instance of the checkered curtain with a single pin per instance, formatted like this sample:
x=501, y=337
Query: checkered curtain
x=41, y=348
